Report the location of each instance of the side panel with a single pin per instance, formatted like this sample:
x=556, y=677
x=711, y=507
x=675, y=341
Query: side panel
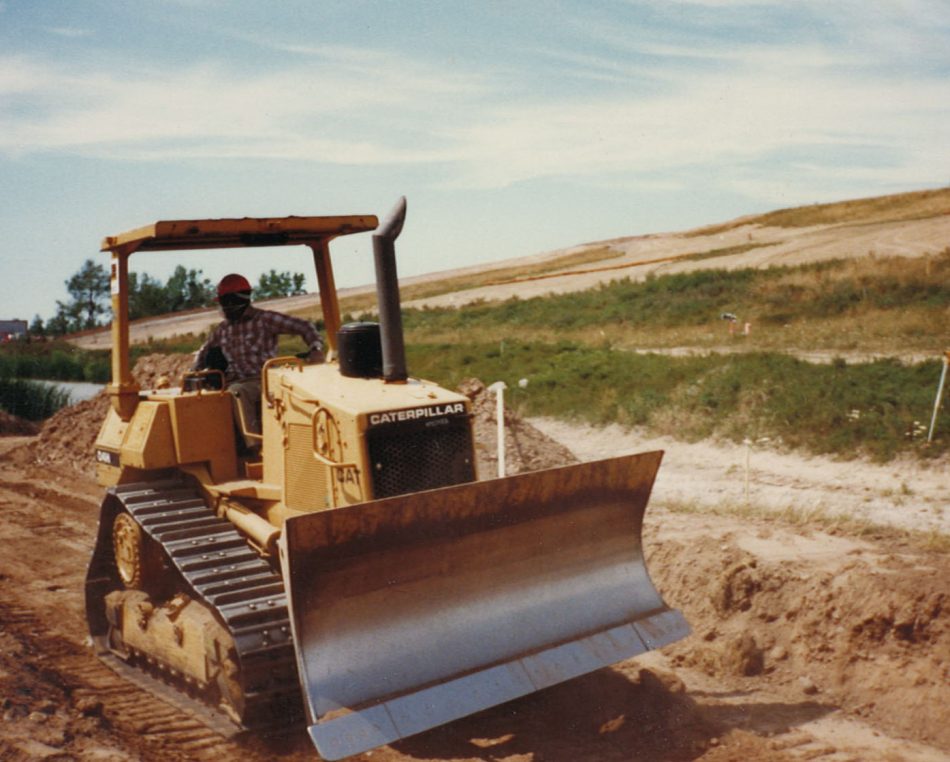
x=203, y=426
x=108, y=444
x=148, y=442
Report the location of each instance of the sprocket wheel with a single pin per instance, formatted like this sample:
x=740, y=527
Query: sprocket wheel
x=128, y=544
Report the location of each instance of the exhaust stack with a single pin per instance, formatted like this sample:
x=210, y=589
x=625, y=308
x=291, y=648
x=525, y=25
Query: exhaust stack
x=387, y=294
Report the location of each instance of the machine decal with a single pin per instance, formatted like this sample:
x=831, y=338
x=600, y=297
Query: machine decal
x=416, y=413
x=107, y=457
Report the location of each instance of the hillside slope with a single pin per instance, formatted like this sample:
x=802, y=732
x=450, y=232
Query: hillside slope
x=906, y=225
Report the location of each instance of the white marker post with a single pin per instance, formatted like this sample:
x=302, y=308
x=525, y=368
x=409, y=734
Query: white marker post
x=499, y=389
x=748, y=449
x=939, y=399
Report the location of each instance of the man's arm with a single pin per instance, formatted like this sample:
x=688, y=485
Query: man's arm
x=306, y=330
x=201, y=356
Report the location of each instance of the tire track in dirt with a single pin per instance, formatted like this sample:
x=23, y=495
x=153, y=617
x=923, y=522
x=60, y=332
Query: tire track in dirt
x=63, y=699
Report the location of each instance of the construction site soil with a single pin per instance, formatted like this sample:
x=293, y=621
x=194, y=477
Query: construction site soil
x=807, y=643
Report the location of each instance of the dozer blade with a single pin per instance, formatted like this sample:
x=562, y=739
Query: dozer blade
x=413, y=611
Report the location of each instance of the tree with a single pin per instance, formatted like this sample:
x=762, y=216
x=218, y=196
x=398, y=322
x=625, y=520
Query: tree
x=186, y=290
x=147, y=296
x=59, y=323
x=37, y=329
x=274, y=284
x=89, y=290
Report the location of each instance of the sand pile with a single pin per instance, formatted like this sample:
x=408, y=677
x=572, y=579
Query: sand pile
x=866, y=632
x=526, y=448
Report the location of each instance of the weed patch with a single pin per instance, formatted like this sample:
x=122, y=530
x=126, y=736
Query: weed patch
x=57, y=361
x=901, y=206
x=872, y=303
x=31, y=400
x=871, y=409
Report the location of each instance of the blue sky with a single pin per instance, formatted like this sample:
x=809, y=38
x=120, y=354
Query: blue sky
x=512, y=127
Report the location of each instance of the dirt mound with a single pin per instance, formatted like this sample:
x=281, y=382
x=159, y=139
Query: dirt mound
x=526, y=448
x=68, y=437
x=867, y=631
x=159, y=371
x=11, y=425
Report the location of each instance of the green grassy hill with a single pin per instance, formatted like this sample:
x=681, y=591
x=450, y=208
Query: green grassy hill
x=870, y=305
x=576, y=352
x=657, y=353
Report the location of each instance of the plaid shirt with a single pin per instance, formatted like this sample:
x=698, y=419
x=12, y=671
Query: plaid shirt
x=252, y=340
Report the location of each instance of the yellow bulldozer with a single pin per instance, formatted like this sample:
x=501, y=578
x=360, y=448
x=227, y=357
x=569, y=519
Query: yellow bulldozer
x=352, y=572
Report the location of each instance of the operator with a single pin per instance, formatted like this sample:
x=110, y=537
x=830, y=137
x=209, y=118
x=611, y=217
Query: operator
x=247, y=338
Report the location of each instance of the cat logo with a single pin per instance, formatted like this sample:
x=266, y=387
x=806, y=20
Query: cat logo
x=348, y=475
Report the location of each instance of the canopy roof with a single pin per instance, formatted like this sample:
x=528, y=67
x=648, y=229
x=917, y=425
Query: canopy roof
x=169, y=235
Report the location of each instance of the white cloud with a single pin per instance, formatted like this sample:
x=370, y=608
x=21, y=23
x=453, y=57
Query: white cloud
x=18, y=75
x=314, y=113
x=346, y=105
x=712, y=122
x=71, y=32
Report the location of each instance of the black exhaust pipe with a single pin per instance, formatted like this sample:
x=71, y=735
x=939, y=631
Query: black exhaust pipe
x=387, y=293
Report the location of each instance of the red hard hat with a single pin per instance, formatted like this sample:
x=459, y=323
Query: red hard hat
x=232, y=284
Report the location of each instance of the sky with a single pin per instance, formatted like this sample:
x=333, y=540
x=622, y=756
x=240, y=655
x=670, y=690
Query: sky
x=512, y=128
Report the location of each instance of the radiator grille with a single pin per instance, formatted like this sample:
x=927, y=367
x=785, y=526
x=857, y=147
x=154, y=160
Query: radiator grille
x=415, y=458
x=304, y=477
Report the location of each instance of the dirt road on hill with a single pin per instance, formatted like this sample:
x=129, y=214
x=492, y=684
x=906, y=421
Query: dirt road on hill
x=808, y=643
x=752, y=245
x=770, y=246
x=906, y=493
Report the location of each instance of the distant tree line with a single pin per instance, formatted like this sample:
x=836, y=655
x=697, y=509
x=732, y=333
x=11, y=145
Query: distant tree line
x=89, y=302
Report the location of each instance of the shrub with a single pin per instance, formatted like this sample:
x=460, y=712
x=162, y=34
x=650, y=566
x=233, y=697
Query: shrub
x=30, y=400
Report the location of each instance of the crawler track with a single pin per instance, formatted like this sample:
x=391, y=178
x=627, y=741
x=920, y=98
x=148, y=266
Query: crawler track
x=215, y=566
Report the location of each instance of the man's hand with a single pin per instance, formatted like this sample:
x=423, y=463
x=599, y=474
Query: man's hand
x=315, y=356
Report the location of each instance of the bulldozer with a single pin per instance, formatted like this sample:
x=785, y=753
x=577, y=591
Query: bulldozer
x=351, y=572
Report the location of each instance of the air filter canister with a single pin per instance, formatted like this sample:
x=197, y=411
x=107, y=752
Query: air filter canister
x=361, y=350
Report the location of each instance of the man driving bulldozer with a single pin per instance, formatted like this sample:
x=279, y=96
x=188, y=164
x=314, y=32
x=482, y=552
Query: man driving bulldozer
x=241, y=344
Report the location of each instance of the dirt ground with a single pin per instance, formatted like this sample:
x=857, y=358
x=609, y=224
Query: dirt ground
x=808, y=643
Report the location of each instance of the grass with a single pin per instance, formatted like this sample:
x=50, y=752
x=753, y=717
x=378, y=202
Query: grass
x=880, y=209
x=725, y=252
x=56, y=360
x=31, y=400
x=874, y=304
x=871, y=409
